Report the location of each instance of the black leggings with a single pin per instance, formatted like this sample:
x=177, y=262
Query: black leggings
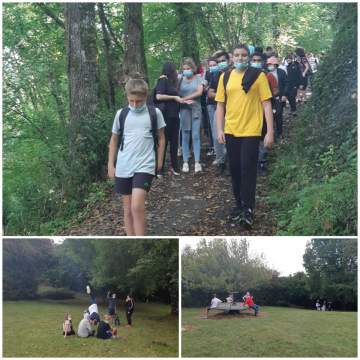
x=128, y=316
x=172, y=136
x=278, y=116
x=292, y=97
x=243, y=153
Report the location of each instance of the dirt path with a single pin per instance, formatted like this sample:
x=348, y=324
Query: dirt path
x=185, y=205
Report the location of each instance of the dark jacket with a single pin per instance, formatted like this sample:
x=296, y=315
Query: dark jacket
x=282, y=81
x=294, y=75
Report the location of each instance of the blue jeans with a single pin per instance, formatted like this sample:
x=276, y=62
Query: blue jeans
x=256, y=308
x=195, y=131
x=219, y=148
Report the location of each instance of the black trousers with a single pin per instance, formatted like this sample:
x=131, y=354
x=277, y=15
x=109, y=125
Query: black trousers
x=278, y=115
x=128, y=316
x=292, y=97
x=243, y=153
x=172, y=136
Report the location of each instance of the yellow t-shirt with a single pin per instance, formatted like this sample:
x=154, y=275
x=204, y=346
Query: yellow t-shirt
x=244, y=112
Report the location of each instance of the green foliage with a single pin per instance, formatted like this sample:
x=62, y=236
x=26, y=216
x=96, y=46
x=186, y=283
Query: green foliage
x=46, y=292
x=276, y=332
x=332, y=268
x=318, y=167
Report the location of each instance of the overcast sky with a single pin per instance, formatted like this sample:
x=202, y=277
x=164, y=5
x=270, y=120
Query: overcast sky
x=283, y=254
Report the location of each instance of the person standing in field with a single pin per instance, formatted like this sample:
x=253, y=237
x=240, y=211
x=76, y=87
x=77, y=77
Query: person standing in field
x=243, y=97
x=139, y=129
x=129, y=309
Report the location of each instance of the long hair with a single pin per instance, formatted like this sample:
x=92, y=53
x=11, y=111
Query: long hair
x=170, y=71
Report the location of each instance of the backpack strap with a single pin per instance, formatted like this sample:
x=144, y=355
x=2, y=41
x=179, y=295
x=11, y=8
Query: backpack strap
x=225, y=81
x=154, y=131
x=123, y=114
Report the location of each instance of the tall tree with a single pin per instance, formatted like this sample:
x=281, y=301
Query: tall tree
x=187, y=31
x=82, y=68
x=134, y=56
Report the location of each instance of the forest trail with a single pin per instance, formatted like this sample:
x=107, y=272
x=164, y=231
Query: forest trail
x=187, y=205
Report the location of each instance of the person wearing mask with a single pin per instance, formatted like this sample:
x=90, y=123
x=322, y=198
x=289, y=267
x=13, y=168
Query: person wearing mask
x=168, y=96
x=246, y=96
x=223, y=64
x=294, y=80
x=305, y=72
x=190, y=89
x=278, y=84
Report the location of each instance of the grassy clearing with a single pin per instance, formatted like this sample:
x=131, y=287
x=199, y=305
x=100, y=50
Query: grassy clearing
x=278, y=332
x=34, y=329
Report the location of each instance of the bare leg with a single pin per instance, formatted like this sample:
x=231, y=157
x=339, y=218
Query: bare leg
x=128, y=219
x=138, y=211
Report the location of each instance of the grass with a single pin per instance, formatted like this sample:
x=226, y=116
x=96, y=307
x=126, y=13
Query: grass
x=277, y=332
x=34, y=329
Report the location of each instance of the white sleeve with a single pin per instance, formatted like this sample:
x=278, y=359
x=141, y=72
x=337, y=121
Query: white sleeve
x=160, y=119
x=116, y=124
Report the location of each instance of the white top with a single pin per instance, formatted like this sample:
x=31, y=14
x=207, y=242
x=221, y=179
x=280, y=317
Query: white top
x=215, y=302
x=84, y=329
x=93, y=308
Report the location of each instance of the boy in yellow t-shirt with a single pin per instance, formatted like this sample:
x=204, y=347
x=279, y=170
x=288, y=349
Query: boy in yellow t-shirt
x=246, y=99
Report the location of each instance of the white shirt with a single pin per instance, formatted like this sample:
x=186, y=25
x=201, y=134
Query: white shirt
x=215, y=302
x=84, y=329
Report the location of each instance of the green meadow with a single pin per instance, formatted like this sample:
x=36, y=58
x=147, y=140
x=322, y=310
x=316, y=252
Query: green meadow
x=34, y=329
x=277, y=332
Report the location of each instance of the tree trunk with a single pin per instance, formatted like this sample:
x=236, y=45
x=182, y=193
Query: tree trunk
x=82, y=73
x=186, y=28
x=134, y=51
x=109, y=65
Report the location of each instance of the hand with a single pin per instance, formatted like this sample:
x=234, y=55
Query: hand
x=283, y=98
x=179, y=99
x=269, y=140
x=221, y=137
x=188, y=102
x=111, y=171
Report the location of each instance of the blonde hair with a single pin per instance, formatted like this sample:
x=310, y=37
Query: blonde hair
x=136, y=85
x=189, y=62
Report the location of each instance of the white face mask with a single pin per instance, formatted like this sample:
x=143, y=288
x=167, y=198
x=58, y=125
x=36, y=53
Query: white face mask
x=138, y=109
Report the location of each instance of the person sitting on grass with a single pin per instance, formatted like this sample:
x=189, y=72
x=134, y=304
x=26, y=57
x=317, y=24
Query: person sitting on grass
x=249, y=301
x=214, y=303
x=85, y=330
x=67, y=326
x=104, y=330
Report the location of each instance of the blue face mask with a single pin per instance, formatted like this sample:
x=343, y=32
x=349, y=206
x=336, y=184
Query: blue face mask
x=256, y=65
x=241, y=66
x=188, y=73
x=271, y=68
x=213, y=69
x=223, y=65
x=138, y=109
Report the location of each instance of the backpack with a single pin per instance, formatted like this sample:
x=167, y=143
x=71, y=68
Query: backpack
x=153, y=118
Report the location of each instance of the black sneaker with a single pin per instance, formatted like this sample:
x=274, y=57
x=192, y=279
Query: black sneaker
x=248, y=218
x=235, y=214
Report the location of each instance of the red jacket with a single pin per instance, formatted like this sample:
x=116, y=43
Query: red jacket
x=249, y=301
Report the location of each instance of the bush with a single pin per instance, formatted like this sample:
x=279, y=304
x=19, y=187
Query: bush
x=55, y=293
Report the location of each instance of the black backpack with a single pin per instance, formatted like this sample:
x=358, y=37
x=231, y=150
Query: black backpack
x=154, y=129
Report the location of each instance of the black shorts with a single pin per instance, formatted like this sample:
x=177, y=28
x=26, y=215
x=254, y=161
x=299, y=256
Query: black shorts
x=111, y=311
x=124, y=186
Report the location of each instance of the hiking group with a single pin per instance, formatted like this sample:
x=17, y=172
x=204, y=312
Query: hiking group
x=237, y=98
x=92, y=325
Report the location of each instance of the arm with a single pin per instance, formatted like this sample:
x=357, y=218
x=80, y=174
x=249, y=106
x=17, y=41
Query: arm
x=161, y=148
x=220, y=122
x=211, y=93
x=112, y=154
x=307, y=68
x=269, y=137
x=196, y=94
x=163, y=97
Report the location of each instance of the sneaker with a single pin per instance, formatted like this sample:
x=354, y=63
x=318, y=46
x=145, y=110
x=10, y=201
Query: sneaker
x=174, y=172
x=235, y=214
x=248, y=219
x=88, y=290
x=215, y=162
x=211, y=152
x=185, y=167
x=179, y=153
x=198, y=167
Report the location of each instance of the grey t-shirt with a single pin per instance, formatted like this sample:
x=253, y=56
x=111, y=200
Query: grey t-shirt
x=188, y=87
x=84, y=329
x=138, y=153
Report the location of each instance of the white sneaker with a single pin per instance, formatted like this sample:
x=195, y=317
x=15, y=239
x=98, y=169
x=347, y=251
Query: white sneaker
x=215, y=162
x=88, y=290
x=198, y=167
x=179, y=153
x=185, y=167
